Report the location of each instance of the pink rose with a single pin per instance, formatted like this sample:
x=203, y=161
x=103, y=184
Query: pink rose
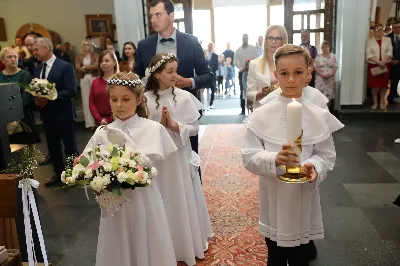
x=139, y=167
x=95, y=165
x=77, y=159
x=140, y=176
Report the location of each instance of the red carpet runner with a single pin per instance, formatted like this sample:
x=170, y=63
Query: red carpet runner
x=232, y=199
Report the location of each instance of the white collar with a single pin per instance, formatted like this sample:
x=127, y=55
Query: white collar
x=126, y=123
x=51, y=61
x=173, y=36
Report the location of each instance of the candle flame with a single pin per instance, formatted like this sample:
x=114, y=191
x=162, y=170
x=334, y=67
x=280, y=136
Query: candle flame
x=293, y=99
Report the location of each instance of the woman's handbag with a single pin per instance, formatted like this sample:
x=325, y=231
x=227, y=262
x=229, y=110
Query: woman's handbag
x=377, y=71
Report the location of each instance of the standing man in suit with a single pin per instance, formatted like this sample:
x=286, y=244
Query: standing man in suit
x=242, y=54
x=57, y=116
x=169, y=40
x=395, y=68
x=213, y=64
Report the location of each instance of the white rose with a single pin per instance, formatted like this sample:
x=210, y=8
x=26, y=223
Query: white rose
x=153, y=171
x=122, y=177
x=149, y=181
x=106, y=179
x=107, y=167
x=140, y=160
x=70, y=179
x=63, y=174
x=96, y=184
x=132, y=163
x=124, y=161
x=89, y=173
x=145, y=178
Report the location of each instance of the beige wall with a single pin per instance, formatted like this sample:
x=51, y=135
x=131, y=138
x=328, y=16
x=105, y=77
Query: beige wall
x=67, y=18
x=386, y=6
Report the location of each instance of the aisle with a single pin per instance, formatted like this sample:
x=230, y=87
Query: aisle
x=232, y=198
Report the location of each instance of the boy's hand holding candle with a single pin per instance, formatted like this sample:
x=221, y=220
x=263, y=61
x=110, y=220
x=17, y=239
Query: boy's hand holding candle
x=287, y=156
x=308, y=169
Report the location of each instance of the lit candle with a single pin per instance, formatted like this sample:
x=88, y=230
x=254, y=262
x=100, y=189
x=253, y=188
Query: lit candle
x=294, y=124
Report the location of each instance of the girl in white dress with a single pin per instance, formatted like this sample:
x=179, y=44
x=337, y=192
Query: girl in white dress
x=136, y=234
x=177, y=110
x=290, y=214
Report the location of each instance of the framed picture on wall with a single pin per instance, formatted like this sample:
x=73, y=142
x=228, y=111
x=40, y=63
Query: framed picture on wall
x=3, y=35
x=97, y=25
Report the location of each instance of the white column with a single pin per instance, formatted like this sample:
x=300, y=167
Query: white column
x=129, y=20
x=352, y=32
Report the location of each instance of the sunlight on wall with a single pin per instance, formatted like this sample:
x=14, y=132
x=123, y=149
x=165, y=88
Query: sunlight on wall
x=202, y=26
x=232, y=22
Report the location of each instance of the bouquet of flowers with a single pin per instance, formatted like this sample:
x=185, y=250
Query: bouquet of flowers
x=109, y=169
x=42, y=88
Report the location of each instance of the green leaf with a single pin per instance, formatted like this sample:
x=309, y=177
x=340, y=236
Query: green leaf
x=84, y=161
x=117, y=190
x=114, y=152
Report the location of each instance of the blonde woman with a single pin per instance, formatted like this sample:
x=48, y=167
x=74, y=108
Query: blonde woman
x=261, y=70
x=87, y=67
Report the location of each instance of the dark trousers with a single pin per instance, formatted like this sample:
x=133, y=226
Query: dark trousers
x=242, y=100
x=295, y=256
x=55, y=133
x=213, y=88
x=394, y=81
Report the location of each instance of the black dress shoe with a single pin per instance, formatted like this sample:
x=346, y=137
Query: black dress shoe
x=55, y=180
x=314, y=252
x=46, y=160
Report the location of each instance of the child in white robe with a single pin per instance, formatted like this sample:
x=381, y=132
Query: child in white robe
x=177, y=110
x=137, y=233
x=290, y=214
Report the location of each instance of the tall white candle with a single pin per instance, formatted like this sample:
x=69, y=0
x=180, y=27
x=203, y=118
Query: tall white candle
x=294, y=123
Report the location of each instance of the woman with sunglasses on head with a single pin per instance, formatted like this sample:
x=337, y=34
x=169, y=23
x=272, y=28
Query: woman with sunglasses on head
x=261, y=79
x=128, y=57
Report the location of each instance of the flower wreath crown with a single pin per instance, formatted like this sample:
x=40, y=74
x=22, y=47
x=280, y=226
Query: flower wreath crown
x=164, y=59
x=130, y=83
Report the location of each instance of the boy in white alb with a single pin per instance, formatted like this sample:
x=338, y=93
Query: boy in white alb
x=290, y=214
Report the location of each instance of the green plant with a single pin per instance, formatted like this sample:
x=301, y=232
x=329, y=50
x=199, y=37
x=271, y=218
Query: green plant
x=26, y=160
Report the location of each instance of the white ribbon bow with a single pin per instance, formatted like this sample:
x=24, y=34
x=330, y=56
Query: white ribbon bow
x=28, y=199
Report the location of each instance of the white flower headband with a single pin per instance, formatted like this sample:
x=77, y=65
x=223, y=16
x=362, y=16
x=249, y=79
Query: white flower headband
x=130, y=83
x=164, y=59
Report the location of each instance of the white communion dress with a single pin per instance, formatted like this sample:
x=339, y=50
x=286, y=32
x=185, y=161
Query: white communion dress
x=137, y=233
x=189, y=223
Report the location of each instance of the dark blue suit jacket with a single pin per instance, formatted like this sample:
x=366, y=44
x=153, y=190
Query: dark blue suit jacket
x=61, y=109
x=214, y=63
x=190, y=55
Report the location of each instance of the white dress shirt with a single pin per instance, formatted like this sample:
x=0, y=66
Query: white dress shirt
x=49, y=64
x=169, y=47
x=166, y=47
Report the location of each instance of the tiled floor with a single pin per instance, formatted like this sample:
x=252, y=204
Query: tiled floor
x=362, y=226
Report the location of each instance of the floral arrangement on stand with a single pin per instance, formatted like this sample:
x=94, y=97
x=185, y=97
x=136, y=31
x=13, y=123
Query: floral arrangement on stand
x=26, y=160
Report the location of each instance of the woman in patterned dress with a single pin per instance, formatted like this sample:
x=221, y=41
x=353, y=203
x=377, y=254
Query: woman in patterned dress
x=325, y=67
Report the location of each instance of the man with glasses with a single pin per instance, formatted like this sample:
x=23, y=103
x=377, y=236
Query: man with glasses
x=395, y=68
x=242, y=54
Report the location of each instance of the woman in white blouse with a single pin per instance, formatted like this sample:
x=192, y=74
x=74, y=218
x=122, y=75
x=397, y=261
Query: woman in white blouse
x=261, y=70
